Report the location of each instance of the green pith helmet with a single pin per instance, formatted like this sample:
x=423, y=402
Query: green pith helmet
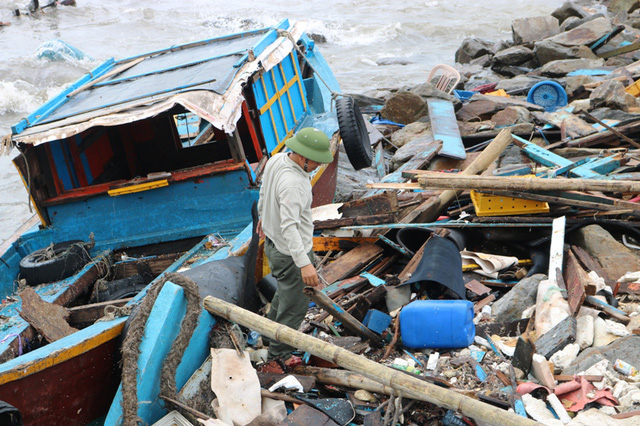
x=312, y=144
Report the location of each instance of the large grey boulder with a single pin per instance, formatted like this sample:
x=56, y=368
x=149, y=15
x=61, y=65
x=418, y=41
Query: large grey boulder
x=528, y=30
x=584, y=34
x=512, y=115
x=614, y=257
x=519, y=84
x=563, y=67
x=515, y=55
x=610, y=94
x=404, y=108
x=625, y=348
x=546, y=51
x=628, y=6
x=472, y=48
x=510, y=306
x=410, y=132
x=569, y=9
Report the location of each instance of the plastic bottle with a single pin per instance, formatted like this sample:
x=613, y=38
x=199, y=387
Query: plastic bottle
x=437, y=324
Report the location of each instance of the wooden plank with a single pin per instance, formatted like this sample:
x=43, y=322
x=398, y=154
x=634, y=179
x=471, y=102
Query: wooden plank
x=484, y=302
x=444, y=126
x=351, y=262
x=616, y=313
x=90, y=313
x=50, y=320
x=355, y=221
x=575, y=279
x=410, y=268
x=386, y=202
x=340, y=243
x=344, y=285
x=557, y=338
x=556, y=250
x=590, y=264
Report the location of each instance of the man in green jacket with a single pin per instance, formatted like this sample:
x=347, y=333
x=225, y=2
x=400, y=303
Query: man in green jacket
x=286, y=224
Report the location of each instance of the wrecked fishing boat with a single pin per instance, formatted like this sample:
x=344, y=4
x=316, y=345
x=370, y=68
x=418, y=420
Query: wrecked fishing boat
x=146, y=166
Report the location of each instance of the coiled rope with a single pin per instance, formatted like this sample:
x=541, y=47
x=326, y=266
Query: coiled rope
x=131, y=345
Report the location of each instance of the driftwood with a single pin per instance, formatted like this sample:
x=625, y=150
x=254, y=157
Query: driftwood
x=458, y=181
x=411, y=387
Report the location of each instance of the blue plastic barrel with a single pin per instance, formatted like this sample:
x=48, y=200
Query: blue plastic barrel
x=446, y=324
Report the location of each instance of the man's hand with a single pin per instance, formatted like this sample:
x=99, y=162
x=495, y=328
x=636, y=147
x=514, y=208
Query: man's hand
x=259, y=229
x=310, y=276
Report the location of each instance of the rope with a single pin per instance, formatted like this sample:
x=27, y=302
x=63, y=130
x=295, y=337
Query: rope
x=131, y=345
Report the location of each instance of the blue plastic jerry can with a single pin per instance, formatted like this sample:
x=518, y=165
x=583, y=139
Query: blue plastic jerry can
x=446, y=324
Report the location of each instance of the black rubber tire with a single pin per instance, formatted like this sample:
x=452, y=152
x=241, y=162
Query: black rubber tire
x=354, y=134
x=55, y=263
x=120, y=289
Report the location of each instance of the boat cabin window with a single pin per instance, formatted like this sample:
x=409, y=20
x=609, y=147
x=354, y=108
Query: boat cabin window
x=99, y=158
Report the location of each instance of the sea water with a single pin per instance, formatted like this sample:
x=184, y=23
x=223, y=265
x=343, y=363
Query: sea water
x=369, y=45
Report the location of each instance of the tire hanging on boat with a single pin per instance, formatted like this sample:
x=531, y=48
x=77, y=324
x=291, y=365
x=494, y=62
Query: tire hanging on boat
x=353, y=132
x=54, y=263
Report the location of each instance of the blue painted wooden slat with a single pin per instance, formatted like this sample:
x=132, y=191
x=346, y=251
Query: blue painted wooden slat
x=444, y=126
x=548, y=158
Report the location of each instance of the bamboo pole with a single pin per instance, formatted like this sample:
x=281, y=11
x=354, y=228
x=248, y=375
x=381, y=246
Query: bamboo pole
x=411, y=387
x=346, y=378
x=457, y=181
x=429, y=210
x=347, y=319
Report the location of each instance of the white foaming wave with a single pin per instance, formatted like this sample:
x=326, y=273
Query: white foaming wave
x=346, y=34
x=17, y=97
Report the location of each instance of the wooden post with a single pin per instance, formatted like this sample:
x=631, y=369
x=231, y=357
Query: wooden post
x=457, y=181
x=347, y=319
x=411, y=387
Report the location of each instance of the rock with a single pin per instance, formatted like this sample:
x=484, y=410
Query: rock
x=519, y=84
x=546, y=51
x=607, y=331
x=515, y=55
x=483, y=61
x=614, y=257
x=318, y=38
x=569, y=23
x=404, y=107
x=521, y=296
x=527, y=30
x=585, y=33
x=585, y=329
x=562, y=67
x=616, y=6
x=510, y=70
x=366, y=396
x=410, y=149
x=409, y=133
x=537, y=409
x=393, y=61
x=428, y=90
x=566, y=356
x=472, y=48
x=483, y=77
x=624, y=348
x=609, y=94
x=512, y=115
x=568, y=9
x=574, y=83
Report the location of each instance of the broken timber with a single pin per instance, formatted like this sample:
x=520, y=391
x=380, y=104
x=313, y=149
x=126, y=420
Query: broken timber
x=351, y=262
x=411, y=387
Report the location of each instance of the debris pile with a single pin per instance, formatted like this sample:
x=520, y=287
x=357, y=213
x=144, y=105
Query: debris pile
x=491, y=275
